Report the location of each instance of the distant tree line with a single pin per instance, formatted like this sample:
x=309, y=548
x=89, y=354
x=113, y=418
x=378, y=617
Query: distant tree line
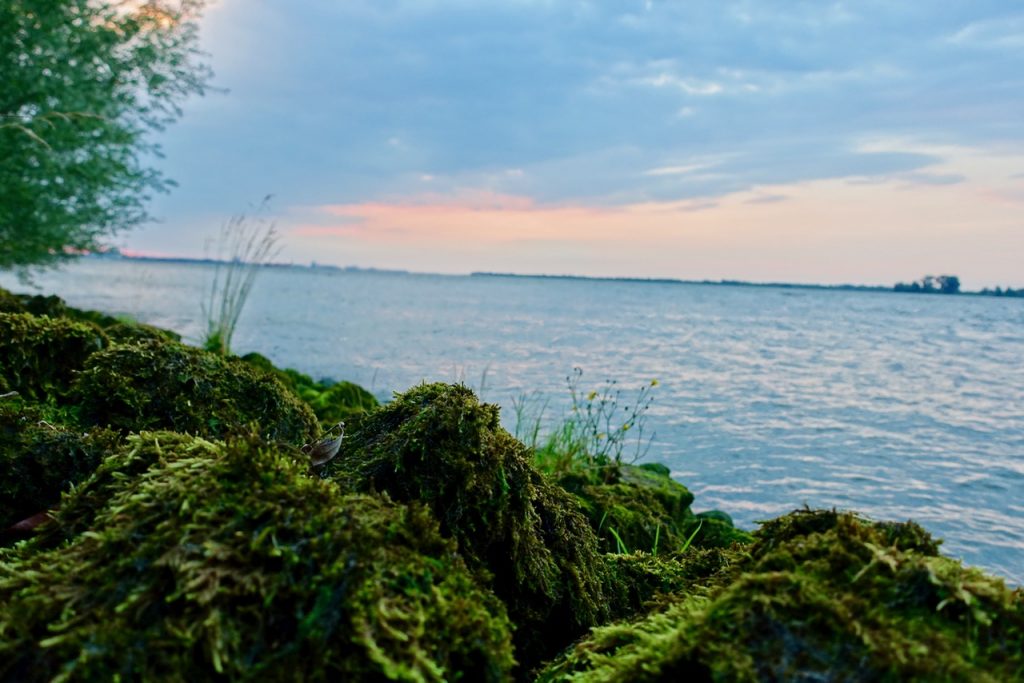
x=931, y=284
x=999, y=291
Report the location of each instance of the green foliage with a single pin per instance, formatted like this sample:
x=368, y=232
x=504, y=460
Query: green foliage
x=601, y=430
x=39, y=357
x=437, y=444
x=166, y=385
x=930, y=284
x=332, y=402
x=231, y=563
x=640, y=581
x=39, y=461
x=82, y=82
x=640, y=507
x=820, y=595
x=117, y=329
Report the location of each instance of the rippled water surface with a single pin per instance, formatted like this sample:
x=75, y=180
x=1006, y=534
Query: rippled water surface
x=896, y=405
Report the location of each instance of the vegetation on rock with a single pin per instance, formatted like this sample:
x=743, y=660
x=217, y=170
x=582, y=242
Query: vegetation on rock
x=436, y=443
x=117, y=329
x=331, y=401
x=423, y=552
x=640, y=507
x=39, y=357
x=166, y=385
x=230, y=561
x=820, y=595
x=39, y=461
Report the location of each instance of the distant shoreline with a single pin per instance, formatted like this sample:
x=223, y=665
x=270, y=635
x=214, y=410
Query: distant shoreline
x=583, y=278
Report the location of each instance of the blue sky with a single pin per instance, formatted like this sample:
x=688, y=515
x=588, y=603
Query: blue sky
x=796, y=141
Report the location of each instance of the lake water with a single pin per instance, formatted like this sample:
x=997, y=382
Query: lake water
x=900, y=406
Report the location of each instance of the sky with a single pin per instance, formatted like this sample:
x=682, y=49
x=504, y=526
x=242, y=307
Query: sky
x=845, y=142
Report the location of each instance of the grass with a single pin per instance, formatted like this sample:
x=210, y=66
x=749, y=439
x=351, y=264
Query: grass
x=246, y=242
x=600, y=430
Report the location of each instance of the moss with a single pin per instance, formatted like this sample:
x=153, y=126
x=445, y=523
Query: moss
x=332, y=402
x=230, y=562
x=438, y=444
x=39, y=461
x=343, y=401
x=10, y=303
x=640, y=581
x=39, y=357
x=116, y=328
x=640, y=507
x=166, y=385
x=821, y=596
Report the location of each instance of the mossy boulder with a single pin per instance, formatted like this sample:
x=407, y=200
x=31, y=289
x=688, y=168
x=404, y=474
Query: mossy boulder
x=331, y=401
x=231, y=562
x=119, y=329
x=342, y=401
x=640, y=581
x=641, y=508
x=39, y=357
x=165, y=385
x=40, y=460
x=439, y=445
x=10, y=303
x=821, y=595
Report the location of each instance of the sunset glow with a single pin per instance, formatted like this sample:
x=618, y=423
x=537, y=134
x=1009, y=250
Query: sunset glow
x=696, y=141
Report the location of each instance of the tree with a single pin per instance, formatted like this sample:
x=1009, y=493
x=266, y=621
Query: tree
x=948, y=284
x=83, y=84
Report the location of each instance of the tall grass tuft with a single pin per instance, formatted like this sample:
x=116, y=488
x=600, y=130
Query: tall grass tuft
x=601, y=430
x=246, y=242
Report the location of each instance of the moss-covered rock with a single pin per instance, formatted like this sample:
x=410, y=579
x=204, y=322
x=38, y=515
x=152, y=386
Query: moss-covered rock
x=40, y=460
x=438, y=444
x=821, y=596
x=116, y=328
x=332, y=402
x=39, y=357
x=641, y=508
x=10, y=303
x=640, y=581
x=166, y=385
x=342, y=401
x=223, y=563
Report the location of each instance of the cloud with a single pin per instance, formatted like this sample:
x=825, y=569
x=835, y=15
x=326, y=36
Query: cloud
x=767, y=199
x=599, y=104
x=1005, y=33
x=820, y=230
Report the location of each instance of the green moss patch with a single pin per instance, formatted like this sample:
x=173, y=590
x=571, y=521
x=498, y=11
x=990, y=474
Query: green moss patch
x=230, y=562
x=40, y=460
x=165, y=385
x=640, y=581
x=332, y=402
x=821, y=596
x=641, y=508
x=438, y=444
x=39, y=357
x=117, y=329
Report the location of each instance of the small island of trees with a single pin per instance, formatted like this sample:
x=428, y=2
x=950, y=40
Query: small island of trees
x=950, y=284
x=931, y=284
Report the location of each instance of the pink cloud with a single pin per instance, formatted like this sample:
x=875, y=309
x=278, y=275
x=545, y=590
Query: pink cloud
x=481, y=216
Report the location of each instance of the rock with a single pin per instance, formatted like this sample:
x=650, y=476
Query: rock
x=229, y=561
x=820, y=595
x=157, y=384
x=437, y=444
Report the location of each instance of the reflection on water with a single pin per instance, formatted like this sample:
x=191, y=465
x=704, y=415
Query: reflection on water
x=900, y=406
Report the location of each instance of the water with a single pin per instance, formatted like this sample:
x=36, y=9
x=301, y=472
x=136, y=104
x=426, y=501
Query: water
x=900, y=406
